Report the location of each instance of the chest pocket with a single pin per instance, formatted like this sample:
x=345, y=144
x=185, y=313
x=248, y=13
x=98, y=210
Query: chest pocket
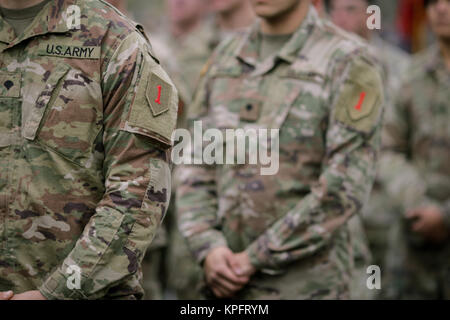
x=228, y=95
x=65, y=116
x=289, y=100
x=295, y=104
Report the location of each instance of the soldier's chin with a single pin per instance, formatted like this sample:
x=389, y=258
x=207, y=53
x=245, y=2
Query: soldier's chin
x=443, y=32
x=264, y=10
x=267, y=14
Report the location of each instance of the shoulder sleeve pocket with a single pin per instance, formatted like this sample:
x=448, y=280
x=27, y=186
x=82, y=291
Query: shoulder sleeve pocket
x=153, y=111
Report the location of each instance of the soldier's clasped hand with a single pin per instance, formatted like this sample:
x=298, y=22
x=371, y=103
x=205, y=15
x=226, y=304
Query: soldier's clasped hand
x=6, y=295
x=221, y=278
x=429, y=223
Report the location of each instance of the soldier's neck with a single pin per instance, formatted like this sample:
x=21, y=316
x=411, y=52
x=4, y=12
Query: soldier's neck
x=445, y=50
x=180, y=30
x=239, y=18
x=365, y=34
x=286, y=23
x=18, y=4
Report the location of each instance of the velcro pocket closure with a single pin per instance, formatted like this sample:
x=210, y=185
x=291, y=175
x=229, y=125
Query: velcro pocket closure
x=48, y=91
x=153, y=112
x=359, y=102
x=10, y=84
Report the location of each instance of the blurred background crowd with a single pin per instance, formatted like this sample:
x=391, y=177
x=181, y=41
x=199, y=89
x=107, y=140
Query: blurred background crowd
x=403, y=21
x=185, y=32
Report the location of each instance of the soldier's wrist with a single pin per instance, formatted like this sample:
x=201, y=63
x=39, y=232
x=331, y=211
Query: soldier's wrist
x=256, y=256
x=46, y=294
x=253, y=260
x=205, y=243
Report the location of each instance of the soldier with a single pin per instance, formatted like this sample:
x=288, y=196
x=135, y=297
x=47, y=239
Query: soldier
x=86, y=120
x=284, y=236
x=351, y=15
x=418, y=169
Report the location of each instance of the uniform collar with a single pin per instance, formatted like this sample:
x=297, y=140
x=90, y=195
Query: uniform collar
x=248, y=52
x=52, y=19
x=436, y=65
x=435, y=61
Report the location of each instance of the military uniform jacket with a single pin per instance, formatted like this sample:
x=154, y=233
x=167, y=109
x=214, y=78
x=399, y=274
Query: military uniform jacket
x=86, y=116
x=289, y=222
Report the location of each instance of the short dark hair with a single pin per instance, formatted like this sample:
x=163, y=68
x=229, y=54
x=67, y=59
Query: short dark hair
x=428, y=2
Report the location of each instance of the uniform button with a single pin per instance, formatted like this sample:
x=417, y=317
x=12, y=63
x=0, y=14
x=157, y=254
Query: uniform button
x=8, y=84
x=249, y=107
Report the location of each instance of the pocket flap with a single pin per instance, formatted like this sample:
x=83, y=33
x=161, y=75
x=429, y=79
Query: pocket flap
x=37, y=111
x=286, y=94
x=289, y=86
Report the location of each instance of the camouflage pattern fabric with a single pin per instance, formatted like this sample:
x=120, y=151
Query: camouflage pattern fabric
x=416, y=171
x=292, y=224
x=183, y=59
x=84, y=152
x=153, y=262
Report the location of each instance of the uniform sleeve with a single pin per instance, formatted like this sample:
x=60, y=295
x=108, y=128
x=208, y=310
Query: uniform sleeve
x=397, y=173
x=140, y=107
x=347, y=174
x=196, y=193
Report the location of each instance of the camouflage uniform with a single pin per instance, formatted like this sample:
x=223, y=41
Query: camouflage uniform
x=378, y=215
x=292, y=224
x=416, y=171
x=84, y=152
